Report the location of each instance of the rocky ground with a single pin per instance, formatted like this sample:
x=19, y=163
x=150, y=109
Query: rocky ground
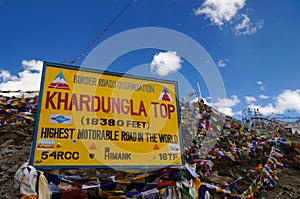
x=288, y=186
x=15, y=144
x=14, y=151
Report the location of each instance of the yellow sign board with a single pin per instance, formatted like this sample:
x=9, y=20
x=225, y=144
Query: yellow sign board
x=90, y=118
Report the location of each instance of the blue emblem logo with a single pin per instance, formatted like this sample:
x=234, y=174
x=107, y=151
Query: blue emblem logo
x=60, y=119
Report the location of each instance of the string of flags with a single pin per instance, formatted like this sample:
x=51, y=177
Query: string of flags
x=176, y=182
x=196, y=179
x=18, y=91
x=18, y=110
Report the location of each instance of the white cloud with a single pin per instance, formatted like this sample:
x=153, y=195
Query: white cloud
x=225, y=105
x=5, y=75
x=33, y=65
x=27, y=80
x=229, y=13
x=222, y=63
x=227, y=102
x=265, y=110
x=288, y=100
x=220, y=11
x=226, y=110
x=285, y=101
x=246, y=27
x=263, y=97
x=262, y=85
x=165, y=63
x=250, y=99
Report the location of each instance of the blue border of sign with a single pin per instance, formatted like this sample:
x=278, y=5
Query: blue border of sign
x=66, y=66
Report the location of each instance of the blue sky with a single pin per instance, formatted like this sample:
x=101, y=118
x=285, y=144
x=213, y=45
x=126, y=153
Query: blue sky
x=255, y=45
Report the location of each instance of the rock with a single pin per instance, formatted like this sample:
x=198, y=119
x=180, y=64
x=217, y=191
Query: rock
x=288, y=188
x=6, y=143
x=15, y=143
x=71, y=171
x=215, y=178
